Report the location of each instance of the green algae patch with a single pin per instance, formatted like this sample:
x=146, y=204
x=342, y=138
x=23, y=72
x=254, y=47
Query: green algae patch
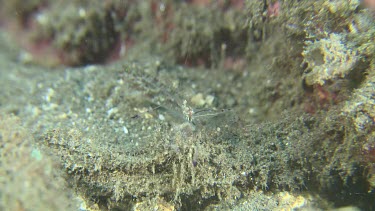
x=28, y=179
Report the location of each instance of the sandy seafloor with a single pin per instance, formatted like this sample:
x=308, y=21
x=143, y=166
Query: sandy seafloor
x=144, y=133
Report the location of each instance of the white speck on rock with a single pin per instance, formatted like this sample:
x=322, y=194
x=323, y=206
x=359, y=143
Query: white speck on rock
x=161, y=117
x=125, y=130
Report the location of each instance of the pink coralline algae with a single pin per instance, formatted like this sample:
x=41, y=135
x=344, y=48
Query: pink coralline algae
x=370, y=4
x=273, y=10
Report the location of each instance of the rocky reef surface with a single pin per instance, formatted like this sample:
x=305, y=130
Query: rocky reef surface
x=187, y=105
